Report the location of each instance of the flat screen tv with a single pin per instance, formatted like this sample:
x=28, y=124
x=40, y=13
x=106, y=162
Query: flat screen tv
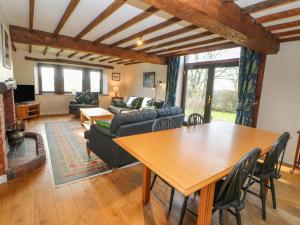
x=24, y=93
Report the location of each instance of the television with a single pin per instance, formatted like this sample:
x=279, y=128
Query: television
x=24, y=93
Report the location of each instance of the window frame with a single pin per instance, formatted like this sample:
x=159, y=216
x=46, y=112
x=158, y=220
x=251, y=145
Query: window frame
x=40, y=78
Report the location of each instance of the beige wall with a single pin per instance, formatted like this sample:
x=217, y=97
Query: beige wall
x=280, y=105
x=25, y=73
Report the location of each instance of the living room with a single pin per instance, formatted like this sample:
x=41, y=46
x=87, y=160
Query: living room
x=149, y=112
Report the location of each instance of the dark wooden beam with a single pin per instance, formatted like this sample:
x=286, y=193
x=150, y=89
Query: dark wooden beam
x=115, y=60
x=147, y=31
x=102, y=16
x=278, y=16
x=31, y=18
x=97, y=57
x=66, y=61
x=13, y=46
x=288, y=39
x=283, y=25
x=132, y=63
x=72, y=55
x=45, y=50
x=178, y=41
x=86, y=55
x=103, y=60
x=68, y=12
x=288, y=33
x=41, y=38
x=264, y=5
x=202, y=49
x=165, y=36
x=209, y=41
x=59, y=52
x=148, y=12
x=30, y=49
x=123, y=62
x=227, y=21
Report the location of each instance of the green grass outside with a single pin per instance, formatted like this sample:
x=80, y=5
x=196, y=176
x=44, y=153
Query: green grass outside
x=225, y=116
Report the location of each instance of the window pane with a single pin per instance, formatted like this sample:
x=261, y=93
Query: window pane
x=47, y=74
x=95, y=81
x=72, y=80
x=214, y=55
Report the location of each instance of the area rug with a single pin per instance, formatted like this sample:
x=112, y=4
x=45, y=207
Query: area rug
x=67, y=147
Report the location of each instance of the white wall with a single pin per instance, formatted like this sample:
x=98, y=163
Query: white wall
x=280, y=105
x=25, y=73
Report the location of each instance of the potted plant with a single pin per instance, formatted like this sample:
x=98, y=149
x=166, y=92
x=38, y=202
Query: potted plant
x=16, y=133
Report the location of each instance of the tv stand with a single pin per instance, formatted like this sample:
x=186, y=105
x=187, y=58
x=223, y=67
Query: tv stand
x=27, y=110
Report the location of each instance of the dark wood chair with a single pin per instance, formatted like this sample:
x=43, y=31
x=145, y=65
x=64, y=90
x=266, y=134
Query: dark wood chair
x=297, y=155
x=158, y=125
x=195, y=119
x=228, y=192
x=269, y=170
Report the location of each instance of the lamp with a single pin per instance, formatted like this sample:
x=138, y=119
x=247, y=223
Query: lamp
x=116, y=90
x=159, y=84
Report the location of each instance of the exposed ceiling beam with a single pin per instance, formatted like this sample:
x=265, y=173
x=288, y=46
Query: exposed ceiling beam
x=22, y=35
x=278, y=16
x=97, y=57
x=103, y=60
x=283, y=25
x=148, y=12
x=66, y=61
x=264, y=5
x=165, y=36
x=13, y=47
x=59, y=52
x=147, y=31
x=45, y=50
x=69, y=10
x=31, y=18
x=132, y=63
x=123, y=62
x=84, y=56
x=72, y=55
x=227, y=21
x=115, y=60
x=288, y=33
x=178, y=41
x=102, y=16
x=202, y=49
x=209, y=41
x=296, y=38
x=30, y=49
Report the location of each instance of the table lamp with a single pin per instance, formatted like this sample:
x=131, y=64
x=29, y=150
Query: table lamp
x=116, y=90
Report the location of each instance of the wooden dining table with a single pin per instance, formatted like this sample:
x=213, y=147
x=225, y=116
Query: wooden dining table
x=194, y=158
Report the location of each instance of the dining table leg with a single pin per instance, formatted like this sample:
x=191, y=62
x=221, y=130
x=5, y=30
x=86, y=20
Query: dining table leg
x=206, y=204
x=146, y=185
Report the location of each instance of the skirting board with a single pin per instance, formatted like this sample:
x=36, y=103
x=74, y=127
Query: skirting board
x=3, y=179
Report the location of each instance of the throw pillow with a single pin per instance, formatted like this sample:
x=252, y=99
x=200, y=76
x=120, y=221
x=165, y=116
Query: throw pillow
x=136, y=103
x=86, y=97
x=129, y=101
x=118, y=103
x=147, y=102
x=103, y=123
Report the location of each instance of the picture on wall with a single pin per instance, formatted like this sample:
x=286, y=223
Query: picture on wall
x=116, y=76
x=149, y=80
x=5, y=47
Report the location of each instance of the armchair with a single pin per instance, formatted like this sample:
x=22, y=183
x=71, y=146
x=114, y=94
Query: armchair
x=83, y=100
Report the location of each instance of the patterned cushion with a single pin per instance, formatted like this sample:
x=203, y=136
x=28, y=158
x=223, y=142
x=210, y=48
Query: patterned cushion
x=136, y=103
x=147, y=102
x=168, y=111
x=86, y=98
x=103, y=123
x=118, y=103
x=129, y=101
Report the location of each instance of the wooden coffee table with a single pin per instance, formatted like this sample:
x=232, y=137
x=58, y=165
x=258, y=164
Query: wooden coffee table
x=89, y=115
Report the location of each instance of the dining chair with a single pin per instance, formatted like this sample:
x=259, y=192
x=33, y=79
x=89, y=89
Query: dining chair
x=158, y=125
x=228, y=191
x=269, y=170
x=195, y=119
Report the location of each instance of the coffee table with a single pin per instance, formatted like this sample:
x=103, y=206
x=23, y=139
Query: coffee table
x=89, y=115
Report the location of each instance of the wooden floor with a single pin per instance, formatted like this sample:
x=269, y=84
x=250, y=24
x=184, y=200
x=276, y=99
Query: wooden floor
x=115, y=198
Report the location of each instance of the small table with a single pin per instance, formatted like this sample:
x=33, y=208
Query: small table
x=297, y=155
x=92, y=114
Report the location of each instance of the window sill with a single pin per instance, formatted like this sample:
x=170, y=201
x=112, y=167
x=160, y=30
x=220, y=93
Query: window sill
x=67, y=94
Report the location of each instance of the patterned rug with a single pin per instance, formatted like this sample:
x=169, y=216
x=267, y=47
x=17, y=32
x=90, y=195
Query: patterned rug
x=67, y=147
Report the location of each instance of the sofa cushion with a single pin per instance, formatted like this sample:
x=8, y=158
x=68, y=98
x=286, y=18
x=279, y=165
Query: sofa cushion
x=103, y=123
x=118, y=103
x=129, y=101
x=116, y=110
x=132, y=117
x=147, y=102
x=86, y=97
x=168, y=111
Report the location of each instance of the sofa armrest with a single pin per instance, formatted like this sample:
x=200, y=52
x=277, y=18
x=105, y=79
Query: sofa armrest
x=74, y=102
x=104, y=131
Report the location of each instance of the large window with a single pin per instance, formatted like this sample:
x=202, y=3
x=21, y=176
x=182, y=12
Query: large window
x=210, y=84
x=63, y=79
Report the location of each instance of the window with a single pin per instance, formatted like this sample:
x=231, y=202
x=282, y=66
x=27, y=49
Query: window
x=47, y=79
x=211, y=83
x=72, y=80
x=95, y=79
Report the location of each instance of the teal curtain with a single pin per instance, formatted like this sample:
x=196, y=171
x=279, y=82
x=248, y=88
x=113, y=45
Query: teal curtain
x=248, y=73
x=172, y=77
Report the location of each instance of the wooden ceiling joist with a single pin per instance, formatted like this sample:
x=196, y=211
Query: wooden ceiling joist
x=165, y=36
x=102, y=16
x=45, y=50
x=59, y=52
x=178, y=41
x=283, y=25
x=288, y=33
x=288, y=39
x=66, y=61
x=72, y=54
x=13, y=47
x=68, y=12
x=132, y=63
x=30, y=49
x=123, y=62
x=148, y=12
x=103, y=60
x=97, y=57
x=147, y=31
x=227, y=21
x=265, y=5
x=278, y=16
x=31, y=18
x=115, y=60
x=209, y=41
x=85, y=56
x=41, y=38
